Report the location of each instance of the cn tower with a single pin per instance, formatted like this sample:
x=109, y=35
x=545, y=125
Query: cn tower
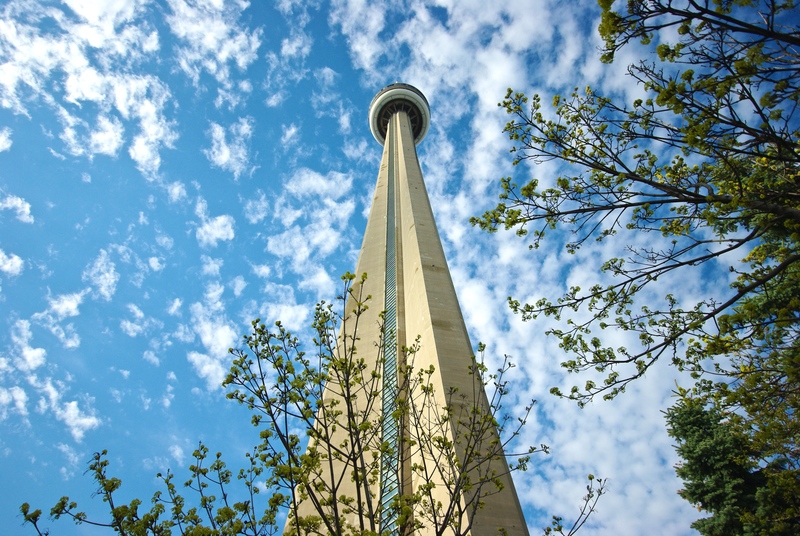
x=413, y=303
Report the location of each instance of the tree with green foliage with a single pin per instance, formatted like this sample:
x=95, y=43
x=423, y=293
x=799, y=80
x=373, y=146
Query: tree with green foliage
x=302, y=406
x=726, y=475
x=707, y=164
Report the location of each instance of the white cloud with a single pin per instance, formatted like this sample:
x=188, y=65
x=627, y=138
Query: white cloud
x=287, y=212
x=176, y=191
x=209, y=369
x=85, y=83
x=135, y=311
x=290, y=136
x=327, y=102
x=129, y=256
x=18, y=205
x=103, y=13
x=78, y=421
x=155, y=130
x=306, y=182
x=297, y=45
x=316, y=220
x=61, y=307
x=107, y=138
x=166, y=400
x=140, y=323
x=111, y=27
x=177, y=454
x=26, y=358
x=211, y=266
x=256, y=209
x=213, y=230
x=233, y=97
x=261, y=270
x=5, y=139
x=71, y=135
x=131, y=329
x=165, y=241
x=209, y=322
x=356, y=149
x=211, y=39
x=326, y=77
x=287, y=64
x=184, y=333
x=67, y=335
x=231, y=154
x=11, y=264
x=89, y=60
x=13, y=399
x=174, y=308
x=344, y=121
x=68, y=470
x=65, y=305
x=275, y=100
x=156, y=264
x=151, y=357
x=317, y=280
x=362, y=23
x=283, y=306
x=238, y=285
x=102, y=275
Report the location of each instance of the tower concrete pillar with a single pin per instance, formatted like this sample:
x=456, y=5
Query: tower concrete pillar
x=413, y=304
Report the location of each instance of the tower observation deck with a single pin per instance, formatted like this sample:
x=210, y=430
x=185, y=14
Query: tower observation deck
x=413, y=304
x=396, y=98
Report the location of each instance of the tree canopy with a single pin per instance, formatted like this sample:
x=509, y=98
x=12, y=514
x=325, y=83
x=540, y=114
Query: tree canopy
x=727, y=475
x=707, y=167
x=303, y=405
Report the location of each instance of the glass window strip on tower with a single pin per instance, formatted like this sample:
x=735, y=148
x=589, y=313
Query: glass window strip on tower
x=390, y=478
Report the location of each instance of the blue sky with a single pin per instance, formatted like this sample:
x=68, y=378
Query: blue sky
x=170, y=170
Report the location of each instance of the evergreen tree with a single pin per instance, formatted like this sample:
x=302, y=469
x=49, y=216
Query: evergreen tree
x=724, y=474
